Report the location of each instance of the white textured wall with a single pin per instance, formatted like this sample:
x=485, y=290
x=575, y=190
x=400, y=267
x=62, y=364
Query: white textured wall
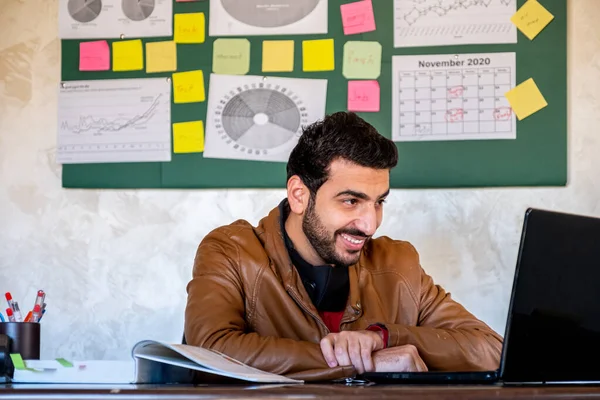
x=115, y=263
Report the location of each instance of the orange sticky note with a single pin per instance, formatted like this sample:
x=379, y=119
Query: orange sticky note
x=278, y=56
x=318, y=55
x=189, y=28
x=188, y=87
x=161, y=56
x=94, y=56
x=188, y=137
x=358, y=17
x=363, y=96
x=128, y=55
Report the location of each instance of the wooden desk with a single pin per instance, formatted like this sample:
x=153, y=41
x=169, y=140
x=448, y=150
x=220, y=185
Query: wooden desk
x=307, y=391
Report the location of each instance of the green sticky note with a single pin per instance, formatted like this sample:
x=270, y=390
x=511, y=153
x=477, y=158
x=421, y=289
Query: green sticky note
x=362, y=60
x=64, y=363
x=231, y=56
x=17, y=361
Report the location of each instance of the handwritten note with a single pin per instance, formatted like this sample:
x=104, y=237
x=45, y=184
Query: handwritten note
x=363, y=96
x=362, y=60
x=188, y=137
x=128, y=55
x=526, y=99
x=161, y=56
x=231, y=56
x=278, y=56
x=532, y=18
x=189, y=28
x=188, y=87
x=358, y=17
x=318, y=55
x=94, y=56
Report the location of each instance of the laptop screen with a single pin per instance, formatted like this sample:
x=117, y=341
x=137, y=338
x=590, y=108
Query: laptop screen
x=553, y=331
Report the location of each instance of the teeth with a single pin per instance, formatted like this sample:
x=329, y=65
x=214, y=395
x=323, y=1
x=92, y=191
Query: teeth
x=352, y=240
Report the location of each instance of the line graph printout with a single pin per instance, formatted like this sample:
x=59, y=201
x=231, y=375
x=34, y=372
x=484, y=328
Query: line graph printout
x=95, y=19
x=453, y=22
x=260, y=118
x=118, y=120
x=452, y=97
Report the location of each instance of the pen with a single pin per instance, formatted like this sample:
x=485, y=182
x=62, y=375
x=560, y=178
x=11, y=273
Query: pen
x=37, y=313
x=28, y=317
x=2, y=318
x=14, y=306
x=39, y=299
x=43, y=312
x=9, y=314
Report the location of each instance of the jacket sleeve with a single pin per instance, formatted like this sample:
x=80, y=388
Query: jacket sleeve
x=447, y=336
x=215, y=318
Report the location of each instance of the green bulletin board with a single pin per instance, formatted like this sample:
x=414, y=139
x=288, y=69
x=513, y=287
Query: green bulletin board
x=538, y=157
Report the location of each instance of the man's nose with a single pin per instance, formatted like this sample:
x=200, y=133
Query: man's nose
x=367, y=222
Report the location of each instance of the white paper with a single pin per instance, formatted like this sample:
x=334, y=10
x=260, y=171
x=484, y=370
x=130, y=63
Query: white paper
x=453, y=22
x=95, y=371
x=94, y=19
x=260, y=17
x=452, y=97
x=260, y=118
x=118, y=120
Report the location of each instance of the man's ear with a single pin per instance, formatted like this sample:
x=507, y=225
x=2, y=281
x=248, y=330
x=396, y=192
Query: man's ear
x=298, y=195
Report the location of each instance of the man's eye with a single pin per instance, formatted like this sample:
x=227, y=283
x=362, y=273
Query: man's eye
x=350, y=202
x=381, y=202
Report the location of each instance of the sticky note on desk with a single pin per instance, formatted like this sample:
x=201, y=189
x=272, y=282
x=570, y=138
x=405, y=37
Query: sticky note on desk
x=17, y=361
x=128, y=55
x=189, y=28
x=363, y=96
x=532, y=18
x=188, y=137
x=188, y=87
x=362, y=60
x=358, y=17
x=526, y=99
x=318, y=55
x=94, y=56
x=231, y=56
x=161, y=56
x=278, y=56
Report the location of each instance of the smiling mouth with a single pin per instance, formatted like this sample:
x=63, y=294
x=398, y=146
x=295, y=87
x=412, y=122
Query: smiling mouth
x=352, y=240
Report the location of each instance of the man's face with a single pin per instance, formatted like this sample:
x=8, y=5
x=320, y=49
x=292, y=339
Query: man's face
x=346, y=212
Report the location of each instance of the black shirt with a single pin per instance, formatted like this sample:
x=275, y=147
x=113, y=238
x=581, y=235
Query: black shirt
x=327, y=286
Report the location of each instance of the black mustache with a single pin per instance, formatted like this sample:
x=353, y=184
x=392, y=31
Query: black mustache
x=354, y=232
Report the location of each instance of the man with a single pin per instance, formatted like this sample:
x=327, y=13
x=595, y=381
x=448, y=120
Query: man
x=310, y=294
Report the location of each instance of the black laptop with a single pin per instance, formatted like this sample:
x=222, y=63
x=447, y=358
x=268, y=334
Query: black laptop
x=553, y=328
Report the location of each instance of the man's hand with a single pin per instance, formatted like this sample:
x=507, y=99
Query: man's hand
x=399, y=359
x=352, y=348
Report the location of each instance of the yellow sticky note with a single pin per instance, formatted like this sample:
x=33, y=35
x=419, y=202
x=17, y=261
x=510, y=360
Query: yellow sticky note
x=278, y=56
x=317, y=55
x=188, y=137
x=231, y=56
x=161, y=56
x=531, y=18
x=526, y=99
x=188, y=87
x=189, y=28
x=128, y=55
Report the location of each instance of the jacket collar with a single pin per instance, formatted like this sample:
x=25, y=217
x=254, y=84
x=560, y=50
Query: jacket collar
x=275, y=247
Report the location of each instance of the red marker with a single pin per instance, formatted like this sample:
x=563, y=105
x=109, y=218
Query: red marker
x=9, y=313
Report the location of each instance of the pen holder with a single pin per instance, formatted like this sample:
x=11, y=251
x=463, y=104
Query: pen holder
x=24, y=338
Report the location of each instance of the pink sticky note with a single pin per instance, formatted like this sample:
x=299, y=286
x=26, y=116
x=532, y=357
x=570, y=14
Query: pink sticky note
x=94, y=56
x=363, y=96
x=358, y=17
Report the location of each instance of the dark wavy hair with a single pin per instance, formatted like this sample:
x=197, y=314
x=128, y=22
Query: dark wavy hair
x=342, y=135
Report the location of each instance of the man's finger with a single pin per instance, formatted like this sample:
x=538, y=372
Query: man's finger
x=328, y=353
x=367, y=359
x=341, y=352
x=355, y=353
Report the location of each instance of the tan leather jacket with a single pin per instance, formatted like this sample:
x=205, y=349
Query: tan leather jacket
x=246, y=300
